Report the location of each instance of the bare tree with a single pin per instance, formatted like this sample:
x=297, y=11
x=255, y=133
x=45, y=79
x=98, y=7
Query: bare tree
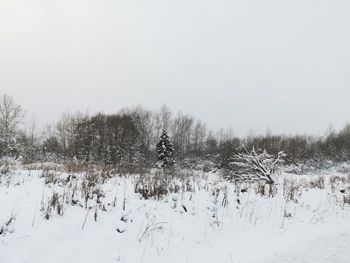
x=29, y=141
x=181, y=130
x=65, y=131
x=165, y=116
x=161, y=119
x=11, y=114
x=198, y=137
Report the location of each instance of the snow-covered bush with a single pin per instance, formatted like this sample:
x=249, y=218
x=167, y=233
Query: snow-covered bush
x=158, y=186
x=309, y=167
x=346, y=199
x=4, y=169
x=152, y=187
x=255, y=166
x=7, y=165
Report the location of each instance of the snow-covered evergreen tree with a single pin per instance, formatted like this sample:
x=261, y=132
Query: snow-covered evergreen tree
x=165, y=152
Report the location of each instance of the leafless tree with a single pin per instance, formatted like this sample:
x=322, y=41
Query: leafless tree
x=162, y=119
x=65, y=131
x=29, y=141
x=11, y=114
x=198, y=137
x=182, y=129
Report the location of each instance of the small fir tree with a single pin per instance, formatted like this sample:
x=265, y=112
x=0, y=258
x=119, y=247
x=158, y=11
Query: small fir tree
x=165, y=152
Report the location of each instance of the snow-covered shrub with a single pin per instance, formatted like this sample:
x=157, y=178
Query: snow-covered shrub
x=157, y=185
x=4, y=168
x=50, y=176
x=7, y=165
x=346, y=200
x=258, y=166
x=337, y=182
x=152, y=187
x=209, y=166
x=309, y=167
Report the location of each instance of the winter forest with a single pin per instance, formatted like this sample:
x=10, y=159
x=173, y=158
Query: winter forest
x=169, y=131
x=127, y=141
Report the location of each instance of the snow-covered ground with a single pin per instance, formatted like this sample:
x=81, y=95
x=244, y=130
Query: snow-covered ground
x=200, y=219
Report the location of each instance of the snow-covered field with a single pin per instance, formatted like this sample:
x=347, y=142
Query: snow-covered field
x=95, y=216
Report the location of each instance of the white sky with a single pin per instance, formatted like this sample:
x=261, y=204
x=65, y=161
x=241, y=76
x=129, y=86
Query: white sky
x=249, y=64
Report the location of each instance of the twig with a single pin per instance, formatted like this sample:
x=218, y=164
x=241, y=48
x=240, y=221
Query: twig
x=36, y=207
x=86, y=216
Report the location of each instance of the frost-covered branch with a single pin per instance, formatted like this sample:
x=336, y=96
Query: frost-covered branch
x=256, y=165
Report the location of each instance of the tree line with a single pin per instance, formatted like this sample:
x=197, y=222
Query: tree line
x=127, y=139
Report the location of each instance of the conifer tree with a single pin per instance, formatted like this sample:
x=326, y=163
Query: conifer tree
x=165, y=152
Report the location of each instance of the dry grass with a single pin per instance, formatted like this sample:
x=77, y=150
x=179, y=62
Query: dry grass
x=318, y=183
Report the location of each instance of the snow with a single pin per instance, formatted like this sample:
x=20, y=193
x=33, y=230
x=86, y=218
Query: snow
x=256, y=231
x=322, y=249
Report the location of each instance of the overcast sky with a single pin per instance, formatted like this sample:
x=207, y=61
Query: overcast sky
x=250, y=64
